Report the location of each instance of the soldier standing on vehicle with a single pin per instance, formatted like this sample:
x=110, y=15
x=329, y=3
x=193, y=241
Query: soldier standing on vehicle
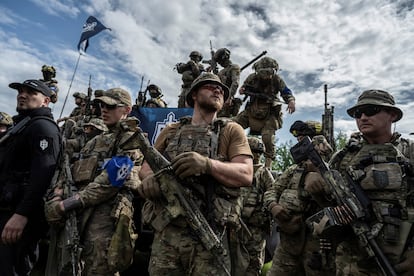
x=27, y=163
x=298, y=252
x=263, y=112
x=380, y=162
x=230, y=76
x=189, y=71
x=156, y=97
x=49, y=73
x=215, y=151
x=105, y=176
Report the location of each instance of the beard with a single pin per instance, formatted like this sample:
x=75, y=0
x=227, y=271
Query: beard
x=211, y=106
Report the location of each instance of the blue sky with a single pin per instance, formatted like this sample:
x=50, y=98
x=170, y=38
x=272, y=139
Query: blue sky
x=349, y=45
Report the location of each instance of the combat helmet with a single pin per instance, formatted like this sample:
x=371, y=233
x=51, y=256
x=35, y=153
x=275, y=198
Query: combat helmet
x=222, y=54
x=154, y=90
x=266, y=63
x=256, y=144
x=80, y=95
x=51, y=69
x=308, y=128
x=5, y=119
x=205, y=78
x=196, y=54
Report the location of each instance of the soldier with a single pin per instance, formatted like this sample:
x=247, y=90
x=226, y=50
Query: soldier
x=218, y=152
x=189, y=71
x=27, y=163
x=254, y=213
x=297, y=250
x=263, y=112
x=6, y=122
x=105, y=176
x=380, y=162
x=230, y=76
x=49, y=73
x=156, y=97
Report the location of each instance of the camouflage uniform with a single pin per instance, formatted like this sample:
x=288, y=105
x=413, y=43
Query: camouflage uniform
x=103, y=204
x=189, y=71
x=254, y=213
x=230, y=76
x=49, y=73
x=385, y=173
x=6, y=122
x=263, y=112
x=298, y=252
x=156, y=97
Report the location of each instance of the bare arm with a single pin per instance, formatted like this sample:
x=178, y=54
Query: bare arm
x=236, y=173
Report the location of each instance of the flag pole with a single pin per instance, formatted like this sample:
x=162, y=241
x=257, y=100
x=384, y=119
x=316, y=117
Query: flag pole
x=70, y=85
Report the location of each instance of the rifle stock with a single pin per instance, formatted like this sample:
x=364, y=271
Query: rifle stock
x=356, y=205
x=174, y=191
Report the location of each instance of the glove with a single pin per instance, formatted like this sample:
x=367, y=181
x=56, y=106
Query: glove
x=280, y=213
x=314, y=183
x=292, y=225
x=191, y=163
x=322, y=146
x=149, y=188
x=406, y=267
x=53, y=211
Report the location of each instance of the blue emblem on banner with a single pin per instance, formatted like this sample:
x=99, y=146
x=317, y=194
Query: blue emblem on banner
x=118, y=168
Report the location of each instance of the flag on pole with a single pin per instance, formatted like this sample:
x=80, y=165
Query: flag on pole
x=89, y=29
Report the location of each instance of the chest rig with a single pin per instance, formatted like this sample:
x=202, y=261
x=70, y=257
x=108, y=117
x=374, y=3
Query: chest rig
x=219, y=203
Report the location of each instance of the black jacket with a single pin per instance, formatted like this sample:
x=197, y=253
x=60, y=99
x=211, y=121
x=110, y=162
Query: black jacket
x=29, y=161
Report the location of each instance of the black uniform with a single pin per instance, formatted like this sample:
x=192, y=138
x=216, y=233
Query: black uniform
x=27, y=163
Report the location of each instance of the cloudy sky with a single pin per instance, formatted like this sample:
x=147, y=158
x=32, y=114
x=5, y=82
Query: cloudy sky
x=349, y=45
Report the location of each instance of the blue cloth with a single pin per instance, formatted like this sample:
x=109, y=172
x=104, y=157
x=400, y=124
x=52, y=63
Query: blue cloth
x=118, y=168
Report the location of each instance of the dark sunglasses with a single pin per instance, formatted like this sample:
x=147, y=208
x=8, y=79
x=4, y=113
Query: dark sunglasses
x=110, y=106
x=369, y=111
x=213, y=87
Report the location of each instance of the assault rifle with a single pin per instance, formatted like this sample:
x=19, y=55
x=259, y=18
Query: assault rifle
x=354, y=207
x=250, y=91
x=212, y=61
x=328, y=121
x=71, y=234
x=253, y=60
x=174, y=192
x=15, y=129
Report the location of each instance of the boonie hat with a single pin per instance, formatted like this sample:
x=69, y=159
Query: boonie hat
x=36, y=85
x=97, y=123
x=115, y=96
x=378, y=98
x=205, y=78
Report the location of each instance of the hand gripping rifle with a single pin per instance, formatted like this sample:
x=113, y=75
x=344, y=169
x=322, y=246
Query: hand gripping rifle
x=174, y=192
x=354, y=207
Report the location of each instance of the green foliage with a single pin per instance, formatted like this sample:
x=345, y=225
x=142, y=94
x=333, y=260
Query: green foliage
x=340, y=140
x=283, y=157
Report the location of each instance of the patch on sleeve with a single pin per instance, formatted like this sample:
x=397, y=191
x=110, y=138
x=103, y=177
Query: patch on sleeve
x=118, y=168
x=43, y=144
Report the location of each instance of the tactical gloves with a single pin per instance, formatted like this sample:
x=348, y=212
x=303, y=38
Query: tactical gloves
x=53, y=212
x=279, y=212
x=149, y=188
x=191, y=164
x=286, y=222
x=314, y=183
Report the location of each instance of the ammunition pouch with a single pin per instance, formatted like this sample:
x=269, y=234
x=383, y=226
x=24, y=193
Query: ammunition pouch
x=386, y=176
x=259, y=110
x=227, y=212
x=84, y=170
x=325, y=223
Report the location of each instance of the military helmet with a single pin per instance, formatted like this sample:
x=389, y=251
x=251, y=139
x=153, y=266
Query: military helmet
x=98, y=93
x=5, y=119
x=80, y=95
x=196, y=54
x=97, y=123
x=256, y=144
x=222, y=54
x=265, y=63
x=308, y=128
x=205, y=78
x=51, y=69
x=154, y=90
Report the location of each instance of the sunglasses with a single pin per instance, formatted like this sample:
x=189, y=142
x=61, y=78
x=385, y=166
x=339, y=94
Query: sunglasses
x=110, y=106
x=369, y=111
x=213, y=87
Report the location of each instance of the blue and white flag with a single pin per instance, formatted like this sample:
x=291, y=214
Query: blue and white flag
x=153, y=120
x=89, y=29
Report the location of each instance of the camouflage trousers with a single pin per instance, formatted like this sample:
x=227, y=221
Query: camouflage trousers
x=176, y=251
x=181, y=97
x=255, y=245
x=294, y=254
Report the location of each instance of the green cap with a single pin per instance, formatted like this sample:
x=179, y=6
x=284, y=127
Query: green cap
x=115, y=96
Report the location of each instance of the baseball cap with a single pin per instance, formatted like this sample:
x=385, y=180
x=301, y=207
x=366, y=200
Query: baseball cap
x=115, y=96
x=36, y=85
x=377, y=98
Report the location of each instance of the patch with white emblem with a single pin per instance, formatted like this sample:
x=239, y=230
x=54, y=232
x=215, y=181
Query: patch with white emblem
x=118, y=168
x=44, y=144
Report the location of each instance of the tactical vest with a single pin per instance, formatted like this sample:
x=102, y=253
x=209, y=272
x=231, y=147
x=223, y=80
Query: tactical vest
x=385, y=175
x=220, y=204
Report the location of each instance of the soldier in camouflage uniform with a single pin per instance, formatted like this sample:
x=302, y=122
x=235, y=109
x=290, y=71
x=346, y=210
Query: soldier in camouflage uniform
x=6, y=122
x=230, y=76
x=263, y=112
x=254, y=213
x=381, y=162
x=156, y=97
x=49, y=73
x=217, y=151
x=298, y=252
x=189, y=71
x=105, y=177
